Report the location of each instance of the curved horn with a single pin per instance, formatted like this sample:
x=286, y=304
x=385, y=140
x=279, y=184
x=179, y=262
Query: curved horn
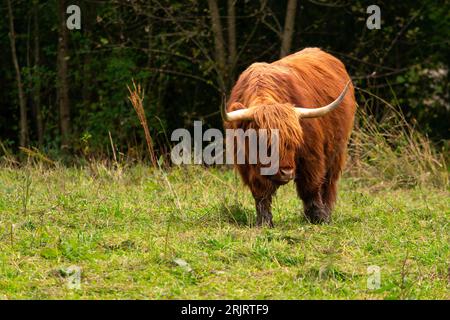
x=241, y=114
x=319, y=112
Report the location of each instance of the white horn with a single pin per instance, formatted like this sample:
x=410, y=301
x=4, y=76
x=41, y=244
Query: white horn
x=319, y=112
x=242, y=114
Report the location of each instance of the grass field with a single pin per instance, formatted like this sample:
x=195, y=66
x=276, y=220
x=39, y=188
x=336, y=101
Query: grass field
x=135, y=237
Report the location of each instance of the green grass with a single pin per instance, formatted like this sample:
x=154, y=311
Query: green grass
x=124, y=229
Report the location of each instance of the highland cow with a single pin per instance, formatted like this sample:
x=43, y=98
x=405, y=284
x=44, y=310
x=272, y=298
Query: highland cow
x=287, y=95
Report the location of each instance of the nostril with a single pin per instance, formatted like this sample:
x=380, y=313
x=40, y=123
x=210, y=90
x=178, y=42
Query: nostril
x=287, y=172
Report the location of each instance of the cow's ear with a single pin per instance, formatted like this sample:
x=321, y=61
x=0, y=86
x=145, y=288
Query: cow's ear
x=235, y=106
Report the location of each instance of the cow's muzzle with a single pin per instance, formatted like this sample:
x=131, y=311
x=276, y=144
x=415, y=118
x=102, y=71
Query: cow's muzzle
x=283, y=176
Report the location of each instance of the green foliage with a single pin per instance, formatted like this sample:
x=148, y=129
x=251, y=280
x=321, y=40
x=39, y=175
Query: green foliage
x=168, y=47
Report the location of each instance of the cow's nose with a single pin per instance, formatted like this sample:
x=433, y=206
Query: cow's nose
x=287, y=173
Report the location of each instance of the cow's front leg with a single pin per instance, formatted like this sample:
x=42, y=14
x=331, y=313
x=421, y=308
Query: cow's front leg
x=263, y=191
x=309, y=182
x=316, y=212
x=264, y=211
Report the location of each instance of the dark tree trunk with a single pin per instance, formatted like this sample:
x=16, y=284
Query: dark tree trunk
x=219, y=42
x=23, y=139
x=63, y=82
x=288, y=32
x=88, y=18
x=37, y=87
x=231, y=20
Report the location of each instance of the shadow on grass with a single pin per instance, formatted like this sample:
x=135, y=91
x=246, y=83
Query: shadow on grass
x=237, y=214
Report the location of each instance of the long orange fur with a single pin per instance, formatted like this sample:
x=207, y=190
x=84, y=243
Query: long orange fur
x=315, y=147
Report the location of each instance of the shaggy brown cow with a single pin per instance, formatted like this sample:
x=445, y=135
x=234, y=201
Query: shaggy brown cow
x=312, y=141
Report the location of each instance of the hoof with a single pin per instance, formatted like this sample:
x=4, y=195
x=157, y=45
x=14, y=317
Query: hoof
x=264, y=223
x=318, y=216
